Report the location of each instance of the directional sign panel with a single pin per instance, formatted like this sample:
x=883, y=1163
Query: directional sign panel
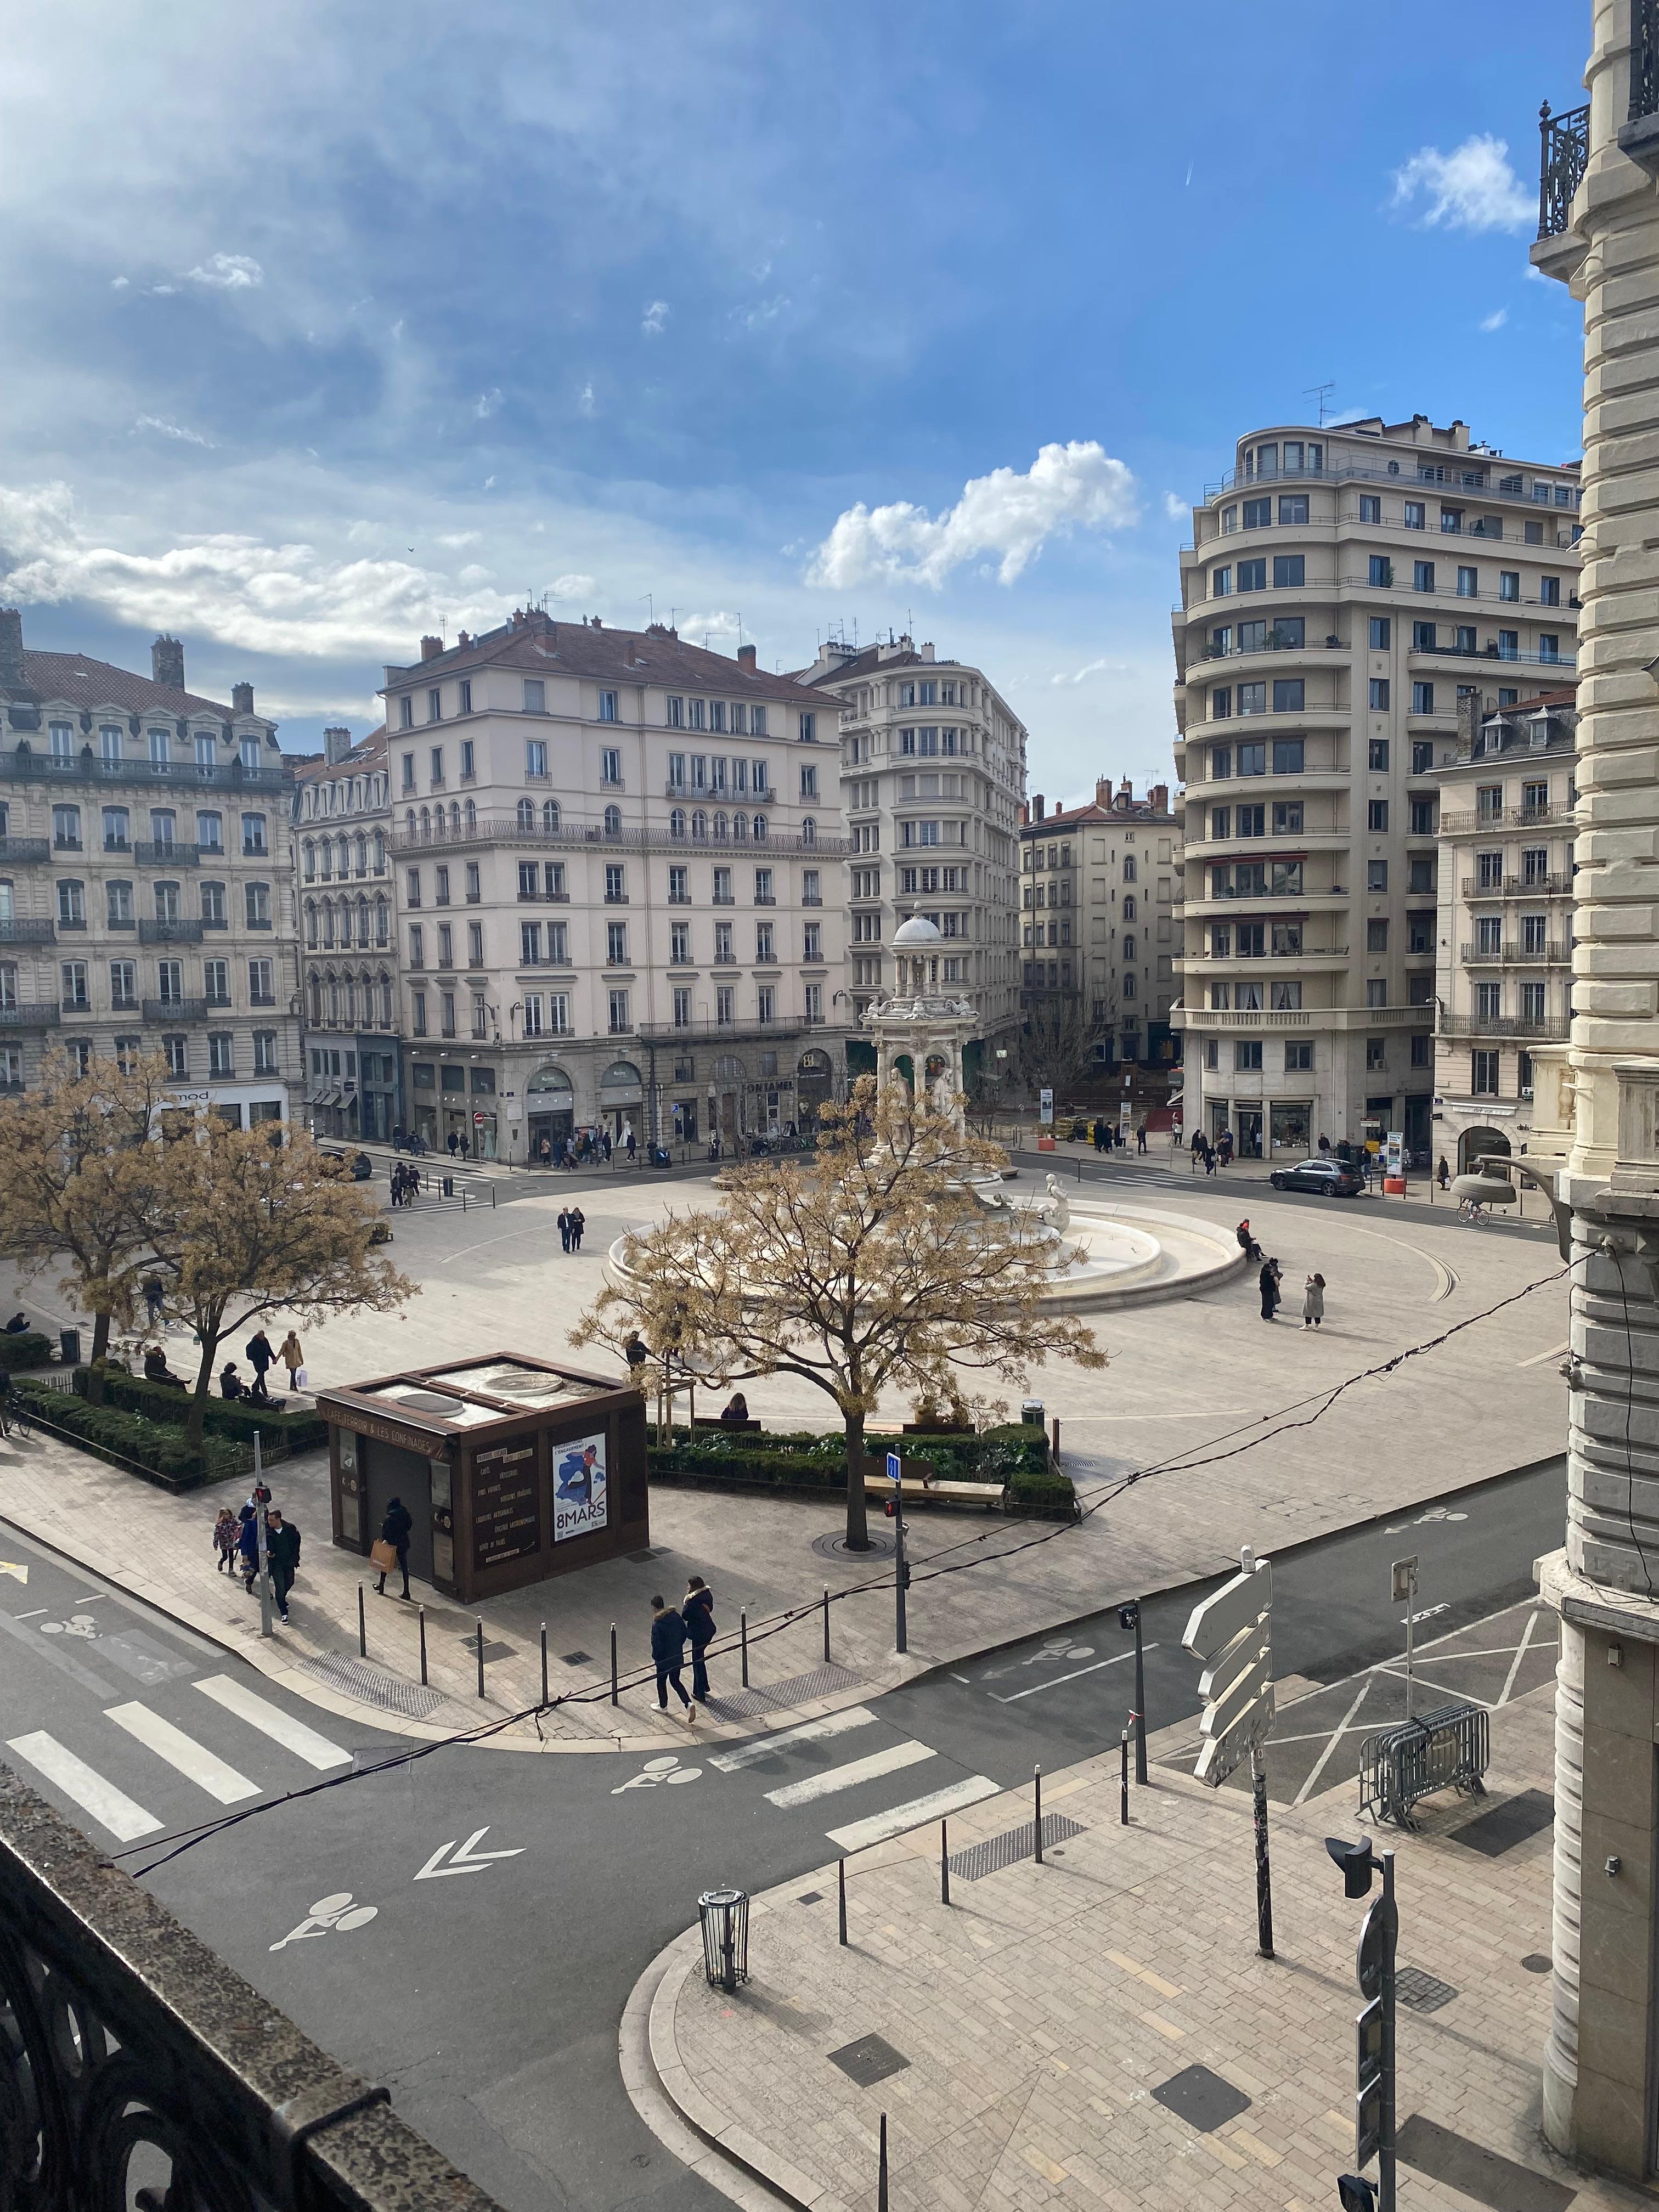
x=1231, y=1632
x=1216, y=1622
x=1222, y=1754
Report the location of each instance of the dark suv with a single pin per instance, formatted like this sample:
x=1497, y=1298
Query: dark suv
x=1330, y=1178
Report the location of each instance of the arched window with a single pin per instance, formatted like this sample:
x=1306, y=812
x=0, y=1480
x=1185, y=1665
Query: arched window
x=613, y=821
x=454, y=817
x=677, y=823
x=334, y=1002
x=1128, y=867
x=760, y=825
x=362, y=919
x=325, y=860
x=345, y=850
x=809, y=830
x=311, y=921
x=381, y=930
x=699, y=824
x=1129, y=945
x=362, y=853
x=740, y=825
x=438, y=821
x=386, y=1002
x=471, y=817
x=1128, y=906
x=720, y=824
x=310, y=852
x=328, y=922
x=379, y=852
x=527, y=814
x=426, y=825
x=350, y=1003
x=550, y=816
x=409, y=820
x=316, y=1003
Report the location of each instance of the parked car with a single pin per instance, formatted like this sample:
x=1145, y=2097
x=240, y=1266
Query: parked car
x=1329, y=1178
x=358, y=1166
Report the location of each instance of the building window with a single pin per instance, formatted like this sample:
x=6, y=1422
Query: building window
x=1509, y=583
x=264, y=1052
x=611, y=770
x=1483, y=1074
x=1376, y=1054
x=257, y=897
x=1377, y=934
x=261, y=986
x=1422, y=698
x=1247, y=1054
x=177, y=1051
x=220, y=1052
x=1377, y=752
x=1381, y=575
x=1415, y=514
x=1370, y=508
x=406, y=712
x=1288, y=694
x=1377, y=814
x=1299, y=1057
x=1379, y=694
x=535, y=696
x=619, y=1012
x=1253, y=576
x=1289, y=570
x=253, y=836
x=616, y=945
x=607, y=706
x=1422, y=575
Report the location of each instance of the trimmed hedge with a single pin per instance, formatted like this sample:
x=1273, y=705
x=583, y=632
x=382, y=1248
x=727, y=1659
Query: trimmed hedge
x=128, y=1439
x=29, y=1348
x=1010, y=1461
x=225, y=1416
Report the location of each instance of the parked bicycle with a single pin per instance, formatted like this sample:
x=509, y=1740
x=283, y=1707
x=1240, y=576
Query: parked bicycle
x=14, y=1415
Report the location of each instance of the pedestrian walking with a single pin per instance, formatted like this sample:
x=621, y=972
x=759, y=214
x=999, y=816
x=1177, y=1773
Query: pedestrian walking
x=153, y=1297
x=1443, y=1173
x=1268, y=1282
x=260, y=1356
x=1226, y=1148
x=247, y=1544
x=630, y=1145
x=564, y=1227
x=454, y=1144
x=578, y=1223
x=1209, y=1158
x=394, y=1530
x=698, y=1612
x=668, y=1656
x=225, y=1533
x=1324, y=1146
x=283, y=1549
x=1313, y=1302
x=293, y=1358
x=1141, y=1138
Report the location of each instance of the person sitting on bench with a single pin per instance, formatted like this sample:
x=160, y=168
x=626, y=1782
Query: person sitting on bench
x=231, y=1384
x=157, y=1370
x=737, y=1411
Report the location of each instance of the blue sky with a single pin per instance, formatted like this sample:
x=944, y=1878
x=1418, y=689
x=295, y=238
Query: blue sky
x=327, y=325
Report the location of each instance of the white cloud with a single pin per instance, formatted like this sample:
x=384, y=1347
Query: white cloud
x=585, y=397
x=693, y=627
x=488, y=403
x=1175, y=507
x=762, y=313
x=1090, y=668
x=1496, y=320
x=573, y=586
x=656, y=315
x=454, y=539
x=1471, y=188
x=163, y=291
x=228, y=272
x=167, y=429
x=1075, y=486
x=118, y=283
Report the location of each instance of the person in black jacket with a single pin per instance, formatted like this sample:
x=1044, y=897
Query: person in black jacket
x=698, y=1611
x=394, y=1530
x=668, y=1652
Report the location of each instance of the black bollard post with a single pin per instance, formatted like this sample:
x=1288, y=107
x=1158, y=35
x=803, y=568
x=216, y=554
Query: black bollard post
x=422, y=1619
x=826, y=1628
x=944, y=1864
x=881, y=2178
x=1036, y=1809
x=743, y=1633
x=481, y=1686
x=362, y=1627
x=544, y=1662
x=1126, y=1778
x=613, y=1662
x=841, y=1895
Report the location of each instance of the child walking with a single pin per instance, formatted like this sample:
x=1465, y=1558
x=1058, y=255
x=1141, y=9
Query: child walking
x=226, y=1530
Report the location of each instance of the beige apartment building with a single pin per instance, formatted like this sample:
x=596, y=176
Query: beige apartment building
x=1097, y=886
x=1345, y=586
x=1503, y=931
x=618, y=865
x=144, y=895
x=932, y=779
x=341, y=868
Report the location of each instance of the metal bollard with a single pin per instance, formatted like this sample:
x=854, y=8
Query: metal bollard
x=481, y=1686
x=743, y=1634
x=1126, y=1778
x=944, y=1863
x=362, y=1627
x=613, y=1662
x=881, y=2178
x=422, y=1621
x=826, y=1628
x=544, y=1662
x=841, y=1895
x=1036, y=1809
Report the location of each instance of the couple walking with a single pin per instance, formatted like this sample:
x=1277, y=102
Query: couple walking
x=572, y=1222
x=671, y=1630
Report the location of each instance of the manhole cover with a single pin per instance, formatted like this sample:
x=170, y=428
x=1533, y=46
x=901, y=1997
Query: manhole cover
x=373, y=1685
x=870, y=2060
x=576, y=1658
x=1203, y=2099
x=1422, y=1992
x=834, y=1547
x=1535, y=1963
x=490, y=1650
x=810, y=1897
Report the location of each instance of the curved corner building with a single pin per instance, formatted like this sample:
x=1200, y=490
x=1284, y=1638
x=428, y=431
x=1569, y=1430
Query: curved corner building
x=1345, y=588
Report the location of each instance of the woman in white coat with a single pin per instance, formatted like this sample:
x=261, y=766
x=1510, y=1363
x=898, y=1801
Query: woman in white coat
x=1313, y=1302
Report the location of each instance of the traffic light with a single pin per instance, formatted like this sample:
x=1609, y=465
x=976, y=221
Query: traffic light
x=1357, y=1862
x=1355, y=2193
x=1374, y=2026
x=1129, y=1618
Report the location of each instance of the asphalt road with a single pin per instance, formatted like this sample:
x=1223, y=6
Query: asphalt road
x=485, y=1989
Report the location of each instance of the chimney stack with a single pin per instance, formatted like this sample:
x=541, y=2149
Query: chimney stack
x=1159, y=798
x=337, y=744
x=11, y=648
x=746, y=659
x=167, y=663
x=1102, y=791
x=241, y=698
x=431, y=648
x=1037, y=807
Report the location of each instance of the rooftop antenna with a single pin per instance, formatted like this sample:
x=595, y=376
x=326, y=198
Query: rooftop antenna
x=1320, y=392
x=650, y=613
x=673, y=613
x=739, y=633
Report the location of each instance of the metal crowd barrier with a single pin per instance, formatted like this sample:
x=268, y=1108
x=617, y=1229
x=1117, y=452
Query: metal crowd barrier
x=1446, y=1749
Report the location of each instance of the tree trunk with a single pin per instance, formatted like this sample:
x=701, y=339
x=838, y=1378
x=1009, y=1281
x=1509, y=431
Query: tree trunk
x=858, y=1530
x=196, y=1411
x=100, y=1353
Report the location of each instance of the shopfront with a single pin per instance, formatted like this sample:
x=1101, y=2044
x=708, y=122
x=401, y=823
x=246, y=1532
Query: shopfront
x=512, y=1470
x=550, y=1110
x=622, y=1101
x=814, y=1086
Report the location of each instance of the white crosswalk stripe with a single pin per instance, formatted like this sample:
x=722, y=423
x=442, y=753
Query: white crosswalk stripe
x=750, y=1755
x=835, y=1778
x=270, y=1719
x=193, y=1761
x=858, y=1835
x=110, y=1807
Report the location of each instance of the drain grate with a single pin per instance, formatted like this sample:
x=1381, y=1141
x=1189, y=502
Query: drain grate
x=642, y=1559
x=794, y=1690
x=1422, y=1992
x=810, y=1897
x=1011, y=1847
x=373, y=1685
x=1205, y=2100
x=576, y=1658
x=870, y=2060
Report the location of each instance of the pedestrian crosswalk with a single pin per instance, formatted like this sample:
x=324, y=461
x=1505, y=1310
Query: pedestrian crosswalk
x=81, y=1774
x=800, y=1745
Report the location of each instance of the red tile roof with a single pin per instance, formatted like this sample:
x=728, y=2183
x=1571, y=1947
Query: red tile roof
x=79, y=681
x=541, y=647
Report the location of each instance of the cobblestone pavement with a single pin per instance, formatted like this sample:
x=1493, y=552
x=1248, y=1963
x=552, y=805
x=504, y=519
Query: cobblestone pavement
x=1039, y=2026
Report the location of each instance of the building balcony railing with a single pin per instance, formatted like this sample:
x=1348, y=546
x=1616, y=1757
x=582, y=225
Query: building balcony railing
x=508, y=829
x=27, y=933
x=24, y=852
x=1553, y=954
x=1475, y=823
x=86, y=768
x=784, y=1025
x=1562, y=158
x=147, y=853
x=174, y=1012
x=1555, y=886
x=42, y=1016
x=169, y=932
x=1551, y=1028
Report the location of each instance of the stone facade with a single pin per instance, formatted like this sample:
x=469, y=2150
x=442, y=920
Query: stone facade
x=348, y=943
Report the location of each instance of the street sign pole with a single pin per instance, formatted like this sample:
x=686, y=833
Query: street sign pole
x=1404, y=1587
x=1129, y=1617
x=899, y=1576
x=1232, y=1633
x=1264, y=1879
x=1390, y=1939
x=1374, y=2038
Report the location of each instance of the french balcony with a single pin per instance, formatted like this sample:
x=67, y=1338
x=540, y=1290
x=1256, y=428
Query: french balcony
x=1550, y=1028
x=1475, y=822
x=1562, y=158
x=169, y=932
x=1555, y=886
x=1554, y=954
x=173, y=1014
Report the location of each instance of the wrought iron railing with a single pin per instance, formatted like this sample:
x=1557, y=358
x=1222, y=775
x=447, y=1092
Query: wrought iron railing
x=134, y=2066
x=1563, y=157
x=1643, y=58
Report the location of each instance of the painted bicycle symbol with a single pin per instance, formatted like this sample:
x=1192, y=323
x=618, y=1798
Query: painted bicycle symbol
x=655, y=1770
x=79, y=1624
x=330, y=1914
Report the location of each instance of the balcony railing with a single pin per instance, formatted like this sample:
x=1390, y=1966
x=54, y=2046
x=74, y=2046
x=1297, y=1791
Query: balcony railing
x=1553, y=954
x=166, y=1014
x=508, y=829
x=138, y=2062
x=27, y=933
x=87, y=767
x=1473, y=823
x=169, y=932
x=1553, y=1028
x=147, y=853
x=784, y=1025
x=1563, y=157
x=39, y=1016
x=24, y=852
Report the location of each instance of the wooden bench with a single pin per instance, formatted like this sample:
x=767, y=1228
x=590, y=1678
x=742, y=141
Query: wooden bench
x=941, y=1488
x=733, y=1428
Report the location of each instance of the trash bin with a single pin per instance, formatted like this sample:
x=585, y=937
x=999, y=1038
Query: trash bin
x=449, y=1186
x=69, y=1346
x=1031, y=1413
x=725, y=1917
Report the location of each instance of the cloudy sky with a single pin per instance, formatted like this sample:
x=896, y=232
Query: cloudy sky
x=328, y=326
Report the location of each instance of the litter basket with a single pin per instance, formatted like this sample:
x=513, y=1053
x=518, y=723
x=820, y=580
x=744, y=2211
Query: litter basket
x=725, y=1917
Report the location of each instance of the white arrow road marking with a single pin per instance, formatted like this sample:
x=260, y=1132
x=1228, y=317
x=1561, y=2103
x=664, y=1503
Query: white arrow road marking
x=465, y=1860
x=19, y=1574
